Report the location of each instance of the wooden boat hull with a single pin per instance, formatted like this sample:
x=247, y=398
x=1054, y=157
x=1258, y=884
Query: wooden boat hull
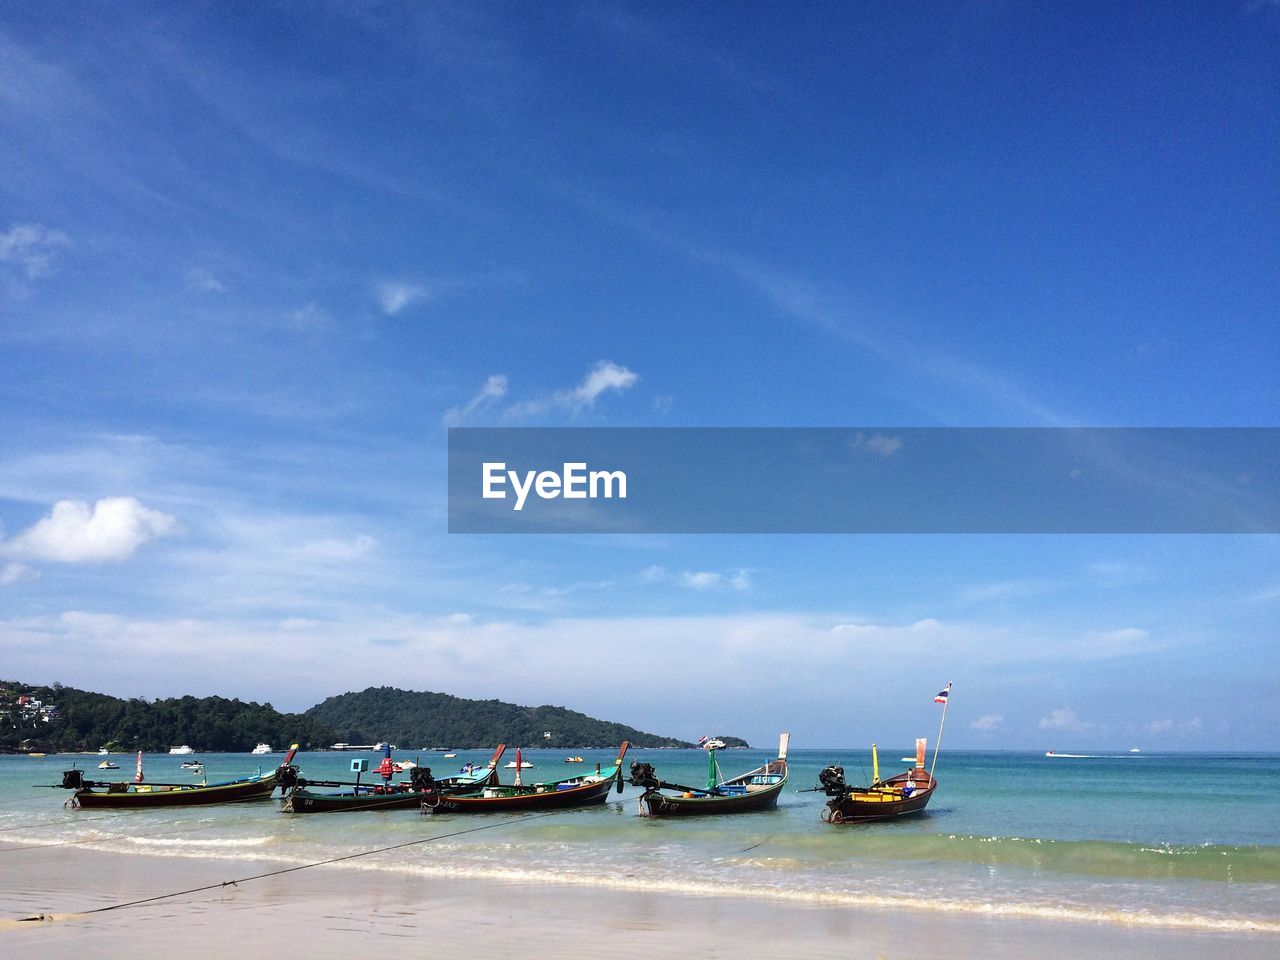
x=870, y=804
x=302, y=800
x=308, y=801
x=143, y=797
x=550, y=799
x=559, y=795
x=759, y=795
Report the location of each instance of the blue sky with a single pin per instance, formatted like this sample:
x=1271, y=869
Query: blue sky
x=255, y=258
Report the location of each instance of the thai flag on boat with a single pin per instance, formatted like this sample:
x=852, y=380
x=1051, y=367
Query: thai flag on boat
x=942, y=696
x=702, y=741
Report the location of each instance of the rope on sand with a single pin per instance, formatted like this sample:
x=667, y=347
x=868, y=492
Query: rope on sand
x=304, y=866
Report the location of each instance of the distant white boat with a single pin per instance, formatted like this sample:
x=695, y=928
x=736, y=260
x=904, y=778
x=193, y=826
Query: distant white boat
x=523, y=766
x=192, y=765
x=450, y=756
x=260, y=749
x=182, y=751
x=711, y=743
x=103, y=752
x=1134, y=750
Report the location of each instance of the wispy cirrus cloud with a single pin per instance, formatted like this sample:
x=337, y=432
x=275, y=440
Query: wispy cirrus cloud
x=202, y=280
x=395, y=296
x=1064, y=718
x=13, y=572
x=700, y=580
x=988, y=721
x=494, y=389
x=31, y=248
x=605, y=377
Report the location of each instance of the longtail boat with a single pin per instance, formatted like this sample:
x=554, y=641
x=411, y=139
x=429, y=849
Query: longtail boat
x=579, y=791
x=407, y=794
x=899, y=796
x=141, y=795
x=756, y=789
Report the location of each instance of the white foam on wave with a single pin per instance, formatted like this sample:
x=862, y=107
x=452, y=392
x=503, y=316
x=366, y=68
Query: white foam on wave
x=199, y=844
x=1030, y=911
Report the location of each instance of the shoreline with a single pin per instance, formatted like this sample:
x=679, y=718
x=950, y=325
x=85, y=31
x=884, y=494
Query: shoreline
x=324, y=906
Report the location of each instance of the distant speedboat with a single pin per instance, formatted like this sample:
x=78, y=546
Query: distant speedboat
x=573, y=760
x=182, y=751
x=524, y=765
x=450, y=756
x=192, y=765
x=108, y=765
x=103, y=752
x=1134, y=750
x=260, y=749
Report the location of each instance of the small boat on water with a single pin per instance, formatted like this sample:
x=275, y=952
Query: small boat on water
x=140, y=795
x=899, y=796
x=260, y=749
x=407, y=794
x=579, y=791
x=573, y=760
x=192, y=765
x=756, y=789
x=182, y=751
x=108, y=765
x=523, y=764
x=711, y=743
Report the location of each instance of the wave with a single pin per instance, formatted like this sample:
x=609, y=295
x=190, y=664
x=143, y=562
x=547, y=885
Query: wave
x=209, y=844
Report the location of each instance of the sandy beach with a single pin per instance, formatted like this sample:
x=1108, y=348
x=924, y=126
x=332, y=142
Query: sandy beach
x=332, y=909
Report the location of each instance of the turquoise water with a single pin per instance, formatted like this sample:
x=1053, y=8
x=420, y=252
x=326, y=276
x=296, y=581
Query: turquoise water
x=1173, y=841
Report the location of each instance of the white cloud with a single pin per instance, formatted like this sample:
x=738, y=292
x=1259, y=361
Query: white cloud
x=394, y=297
x=700, y=580
x=988, y=721
x=654, y=574
x=1062, y=719
x=605, y=377
x=13, y=572
x=201, y=280
x=308, y=317
x=336, y=550
x=75, y=532
x=495, y=388
x=877, y=443
x=32, y=248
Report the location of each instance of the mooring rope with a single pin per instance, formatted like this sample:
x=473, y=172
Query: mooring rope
x=303, y=866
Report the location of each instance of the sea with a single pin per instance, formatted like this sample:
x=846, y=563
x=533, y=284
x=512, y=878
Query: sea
x=1171, y=841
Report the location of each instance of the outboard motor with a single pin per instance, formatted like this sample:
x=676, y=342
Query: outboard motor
x=831, y=780
x=73, y=779
x=287, y=777
x=420, y=779
x=643, y=775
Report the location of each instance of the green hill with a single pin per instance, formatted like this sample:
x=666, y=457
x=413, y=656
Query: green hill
x=412, y=719
x=77, y=720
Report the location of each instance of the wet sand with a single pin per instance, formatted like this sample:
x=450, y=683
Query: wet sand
x=331, y=910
